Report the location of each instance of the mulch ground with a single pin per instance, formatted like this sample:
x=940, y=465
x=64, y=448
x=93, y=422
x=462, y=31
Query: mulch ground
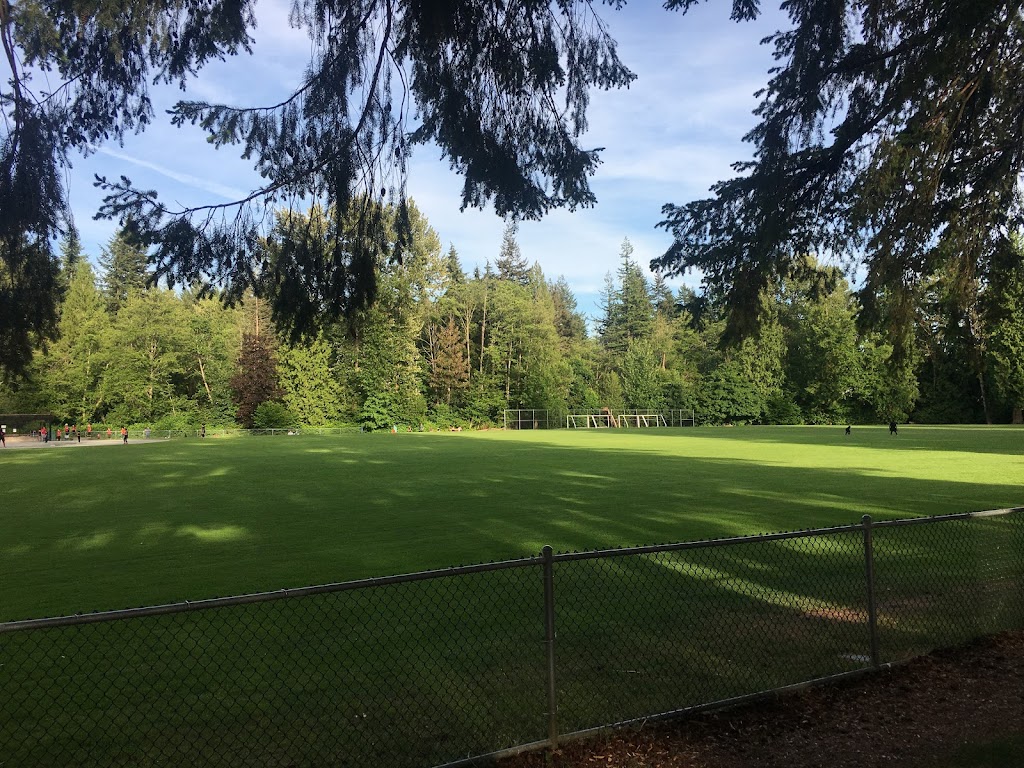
x=913, y=715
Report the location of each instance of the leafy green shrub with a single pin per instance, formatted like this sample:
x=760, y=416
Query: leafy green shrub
x=272, y=415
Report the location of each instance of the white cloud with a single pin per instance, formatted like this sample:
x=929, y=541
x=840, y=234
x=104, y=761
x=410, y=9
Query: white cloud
x=220, y=190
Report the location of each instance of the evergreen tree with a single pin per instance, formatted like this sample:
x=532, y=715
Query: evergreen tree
x=640, y=383
x=310, y=388
x=823, y=358
x=125, y=269
x=570, y=324
x=449, y=365
x=255, y=381
x=70, y=253
x=888, y=129
x=662, y=298
x=1005, y=317
x=30, y=290
x=629, y=313
x=453, y=268
x=511, y=264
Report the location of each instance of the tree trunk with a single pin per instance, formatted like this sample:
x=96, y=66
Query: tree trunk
x=984, y=398
x=202, y=373
x=483, y=328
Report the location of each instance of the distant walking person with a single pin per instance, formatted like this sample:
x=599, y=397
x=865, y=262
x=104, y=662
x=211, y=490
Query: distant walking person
x=3, y=438
x=202, y=432
x=124, y=435
x=42, y=434
x=892, y=428
x=110, y=433
x=849, y=428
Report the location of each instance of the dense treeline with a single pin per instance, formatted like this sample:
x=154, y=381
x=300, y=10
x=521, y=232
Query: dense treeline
x=439, y=347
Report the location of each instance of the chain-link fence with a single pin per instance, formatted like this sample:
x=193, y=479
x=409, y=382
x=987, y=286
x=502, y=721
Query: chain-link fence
x=440, y=667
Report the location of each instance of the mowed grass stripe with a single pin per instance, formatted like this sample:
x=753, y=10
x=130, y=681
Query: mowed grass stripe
x=117, y=526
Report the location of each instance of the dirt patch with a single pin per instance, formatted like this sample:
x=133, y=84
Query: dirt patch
x=913, y=715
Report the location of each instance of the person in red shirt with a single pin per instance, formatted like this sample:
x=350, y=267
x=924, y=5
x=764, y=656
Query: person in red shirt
x=124, y=435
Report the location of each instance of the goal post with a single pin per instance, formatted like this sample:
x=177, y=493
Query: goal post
x=588, y=421
x=635, y=419
x=642, y=419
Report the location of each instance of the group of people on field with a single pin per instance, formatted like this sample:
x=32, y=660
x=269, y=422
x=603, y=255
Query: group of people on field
x=71, y=432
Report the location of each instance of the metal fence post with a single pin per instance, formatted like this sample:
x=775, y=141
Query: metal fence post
x=549, y=642
x=869, y=559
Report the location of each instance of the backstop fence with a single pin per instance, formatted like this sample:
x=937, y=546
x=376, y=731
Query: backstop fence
x=441, y=667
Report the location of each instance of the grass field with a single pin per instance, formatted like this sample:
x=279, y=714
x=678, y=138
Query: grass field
x=426, y=672
x=114, y=526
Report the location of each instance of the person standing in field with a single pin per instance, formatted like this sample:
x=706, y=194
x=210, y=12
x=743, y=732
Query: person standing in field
x=124, y=435
x=42, y=434
x=3, y=438
x=88, y=430
x=110, y=433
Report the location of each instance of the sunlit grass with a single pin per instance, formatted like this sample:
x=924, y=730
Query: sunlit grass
x=114, y=526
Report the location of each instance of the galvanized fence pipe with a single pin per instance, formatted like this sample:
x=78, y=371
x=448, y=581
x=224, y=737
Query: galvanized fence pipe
x=549, y=643
x=869, y=564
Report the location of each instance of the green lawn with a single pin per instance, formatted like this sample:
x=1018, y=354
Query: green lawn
x=114, y=526
x=423, y=673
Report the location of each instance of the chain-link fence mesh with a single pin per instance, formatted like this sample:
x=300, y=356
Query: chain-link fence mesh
x=651, y=633
x=408, y=674
x=433, y=668
x=942, y=584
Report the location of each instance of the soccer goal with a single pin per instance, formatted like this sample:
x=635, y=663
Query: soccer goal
x=588, y=421
x=639, y=420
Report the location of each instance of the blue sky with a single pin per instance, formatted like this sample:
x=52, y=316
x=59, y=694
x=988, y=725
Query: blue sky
x=667, y=138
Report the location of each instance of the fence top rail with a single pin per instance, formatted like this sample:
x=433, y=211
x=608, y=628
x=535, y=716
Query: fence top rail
x=462, y=570
x=189, y=606
x=946, y=518
x=649, y=549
